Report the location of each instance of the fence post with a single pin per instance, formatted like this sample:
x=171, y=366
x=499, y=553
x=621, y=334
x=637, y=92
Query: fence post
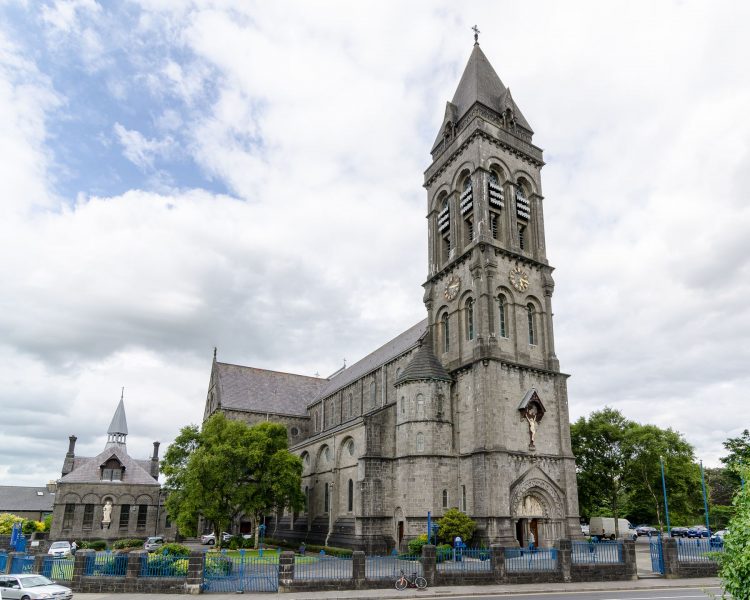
x=135, y=560
x=358, y=569
x=564, y=558
x=497, y=562
x=286, y=571
x=628, y=557
x=671, y=561
x=38, y=563
x=79, y=568
x=194, y=578
x=429, y=564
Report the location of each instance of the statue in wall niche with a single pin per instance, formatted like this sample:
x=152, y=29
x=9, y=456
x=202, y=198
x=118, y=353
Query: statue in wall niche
x=531, y=416
x=107, y=513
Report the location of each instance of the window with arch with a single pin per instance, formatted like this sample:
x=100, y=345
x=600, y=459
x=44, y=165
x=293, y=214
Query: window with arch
x=70, y=511
x=420, y=442
x=373, y=394
x=316, y=421
x=440, y=401
x=463, y=498
x=444, y=227
x=445, y=498
x=523, y=208
x=402, y=403
x=531, y=317
x=469, y=310
x=327, y=499
x=88, y=516
x=420, y=406
x=467, y=212
x=496, y=201
x=446, y=333
x=350, y=496
x=350, y=405
x=502, y=321
x=350, y=447
x=522, y=237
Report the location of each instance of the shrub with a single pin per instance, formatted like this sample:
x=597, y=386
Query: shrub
x=174, y=549
x=735, y=560
x=6, y=522
x=444, y=552
x=454, y=523
x=217, y=564
x=47, y=523
x=128, y=543
x=415, y=545
x=97, y=545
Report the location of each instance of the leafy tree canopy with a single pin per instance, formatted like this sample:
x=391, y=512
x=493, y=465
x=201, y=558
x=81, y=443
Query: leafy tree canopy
x=229, y=468
x=735, y=560
x=739, y=454
x=619, y=473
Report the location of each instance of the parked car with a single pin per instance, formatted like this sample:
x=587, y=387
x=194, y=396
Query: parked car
x=153, y=543
x=210, y=538
x=679, y=532
x=646, y=530
x=698, y=531
x=33, y=587
x=59, y=550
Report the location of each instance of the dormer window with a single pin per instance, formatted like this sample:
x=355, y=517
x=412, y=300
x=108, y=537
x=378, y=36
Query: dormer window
x=112, y=470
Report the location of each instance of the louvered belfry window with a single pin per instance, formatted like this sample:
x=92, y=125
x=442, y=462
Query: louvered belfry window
x=523, y=208
x=444, y=218
x=495, y=193
x=467, y=197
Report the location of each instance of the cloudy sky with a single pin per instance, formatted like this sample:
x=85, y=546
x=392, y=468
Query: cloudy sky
x=176, y=176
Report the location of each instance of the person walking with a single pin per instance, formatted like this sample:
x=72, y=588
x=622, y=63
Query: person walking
x=532, y=540
x=73, y=548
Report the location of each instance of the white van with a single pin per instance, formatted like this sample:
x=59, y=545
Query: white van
x=604, y=528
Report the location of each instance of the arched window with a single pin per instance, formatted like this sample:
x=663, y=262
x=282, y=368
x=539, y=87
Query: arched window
x=502, y=317
x=350, y=496
x=420, y=442
x=444, y=227
x=440, y=401
x=470, y=319
x=467, y=212
x=496, y=199
x=327, y=500
x=350, y=406
x=402, y=402
x=532, y=325
x=446, y=333
x=463, y=498
x=445, y=498
x=420, y=406
x=373, y=394
x=522, y=237
x=350, y=447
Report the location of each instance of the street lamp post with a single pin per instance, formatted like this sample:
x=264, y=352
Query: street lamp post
x=664, y=489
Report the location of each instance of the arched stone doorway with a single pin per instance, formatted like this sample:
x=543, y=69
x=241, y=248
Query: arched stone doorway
x=398, y=521
x=536, y=509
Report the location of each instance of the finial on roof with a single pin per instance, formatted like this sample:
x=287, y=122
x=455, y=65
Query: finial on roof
x=476, y=31
x=118, y=428
x=122, y=394
x=214, y=352
x=345, y=363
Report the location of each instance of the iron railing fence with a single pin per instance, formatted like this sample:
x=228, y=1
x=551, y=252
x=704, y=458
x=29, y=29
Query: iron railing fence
x=597, y=552
x=464, y=560
x=58, y=569
x=520, y=560
x=390, y=567
x=106, y=564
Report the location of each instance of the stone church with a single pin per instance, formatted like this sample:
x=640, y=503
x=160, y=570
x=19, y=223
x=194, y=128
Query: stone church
x=467, y=408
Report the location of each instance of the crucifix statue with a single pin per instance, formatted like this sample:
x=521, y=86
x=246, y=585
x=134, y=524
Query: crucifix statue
x=531, y=417
x=476, y=31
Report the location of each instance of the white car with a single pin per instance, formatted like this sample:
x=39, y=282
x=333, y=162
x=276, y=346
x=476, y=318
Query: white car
x=210, y=538
x=33, y=587
x=59, y=549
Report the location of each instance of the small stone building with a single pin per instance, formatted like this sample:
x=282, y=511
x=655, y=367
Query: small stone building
x=29, y=502
x=111, y=495
x=467, y=408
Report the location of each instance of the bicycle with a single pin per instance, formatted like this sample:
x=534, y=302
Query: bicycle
x=416, y=581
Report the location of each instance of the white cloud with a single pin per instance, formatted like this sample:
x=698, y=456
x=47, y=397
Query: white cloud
x=140, y=150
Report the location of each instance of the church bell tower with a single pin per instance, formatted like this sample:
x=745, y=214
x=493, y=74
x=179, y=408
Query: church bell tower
x=488, y=297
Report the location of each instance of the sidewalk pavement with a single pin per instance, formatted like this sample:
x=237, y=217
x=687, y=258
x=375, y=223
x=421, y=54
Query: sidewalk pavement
x=441, y=592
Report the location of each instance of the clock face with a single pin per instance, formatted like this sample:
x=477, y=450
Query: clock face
x=452, y=287
x=519, y=279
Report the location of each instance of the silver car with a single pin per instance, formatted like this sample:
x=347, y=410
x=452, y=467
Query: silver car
x=33, y=587
x=60, y=550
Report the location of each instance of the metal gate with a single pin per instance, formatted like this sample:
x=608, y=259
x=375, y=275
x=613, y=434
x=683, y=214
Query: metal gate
x=243, y=573
x=657, y=554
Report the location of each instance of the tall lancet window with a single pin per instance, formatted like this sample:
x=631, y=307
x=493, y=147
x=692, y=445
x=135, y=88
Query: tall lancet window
x=496, y=201
x=444, y=228
x=446, y=333
x=469, y=310
x=532, y=324
x=502, y=305
x=467, y=212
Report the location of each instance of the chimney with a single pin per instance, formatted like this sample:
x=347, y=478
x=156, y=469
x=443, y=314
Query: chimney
x=155, y=461
x=69, y=461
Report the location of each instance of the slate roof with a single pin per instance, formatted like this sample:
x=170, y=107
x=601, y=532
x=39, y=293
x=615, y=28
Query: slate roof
x=248, y=388
x=119, y=423
x=386, y=353
x=424, y=365
x=87, y=469
x=480, y=83
x=18, y=498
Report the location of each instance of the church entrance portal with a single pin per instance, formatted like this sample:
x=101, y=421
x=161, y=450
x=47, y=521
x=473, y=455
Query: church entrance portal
x=523, y=528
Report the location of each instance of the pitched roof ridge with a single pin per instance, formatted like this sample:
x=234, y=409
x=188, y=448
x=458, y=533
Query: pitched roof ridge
x=218, y=362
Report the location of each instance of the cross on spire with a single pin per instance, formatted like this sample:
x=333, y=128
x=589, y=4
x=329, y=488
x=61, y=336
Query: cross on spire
x=476, y=31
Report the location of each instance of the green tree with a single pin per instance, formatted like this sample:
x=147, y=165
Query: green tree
x=229, y=468
x=6, y=522
x=455, y=523
x=735, y=560
x=600, y=461
x=738, y=460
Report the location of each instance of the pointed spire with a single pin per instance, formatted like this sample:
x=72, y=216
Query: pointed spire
x=118, y=428
x=479, y=83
